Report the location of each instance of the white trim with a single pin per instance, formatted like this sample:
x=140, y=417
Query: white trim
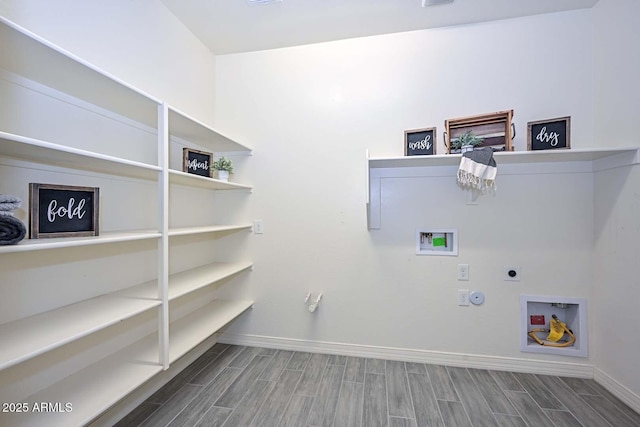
x=617, y=389
x=543, y=367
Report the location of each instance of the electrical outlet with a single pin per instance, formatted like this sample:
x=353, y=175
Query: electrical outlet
x=463, y=297
x=258, y=226
x=463, y=271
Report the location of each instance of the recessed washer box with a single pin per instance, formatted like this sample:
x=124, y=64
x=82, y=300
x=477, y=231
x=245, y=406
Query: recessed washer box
x=437, y=241
x=572, y=311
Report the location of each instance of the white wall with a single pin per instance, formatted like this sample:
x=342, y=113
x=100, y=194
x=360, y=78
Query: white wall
x=617, y=209
x=616, y=65
x=311, y=112
x=139, y=41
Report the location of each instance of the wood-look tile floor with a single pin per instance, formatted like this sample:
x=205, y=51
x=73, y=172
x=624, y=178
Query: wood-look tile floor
x=246, y=386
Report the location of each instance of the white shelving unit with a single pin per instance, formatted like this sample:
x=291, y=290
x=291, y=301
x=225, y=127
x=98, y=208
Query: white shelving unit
x=38, y=337
x=513, y=162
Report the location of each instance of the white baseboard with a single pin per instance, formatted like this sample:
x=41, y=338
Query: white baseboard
x=617, y=389
x=578, y=370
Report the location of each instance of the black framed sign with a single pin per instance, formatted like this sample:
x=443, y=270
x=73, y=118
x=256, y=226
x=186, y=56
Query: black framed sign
x=63, y=211
x=420, y=142
x=549, y=134
x=197, y=162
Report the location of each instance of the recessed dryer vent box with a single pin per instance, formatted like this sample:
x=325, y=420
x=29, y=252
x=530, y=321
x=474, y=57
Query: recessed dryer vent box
x=572, y=311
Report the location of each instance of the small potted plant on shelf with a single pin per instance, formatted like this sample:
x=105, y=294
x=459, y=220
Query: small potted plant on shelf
x=224, y=167
x=465, y=142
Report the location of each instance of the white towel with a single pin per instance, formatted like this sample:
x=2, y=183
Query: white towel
x=478, y=170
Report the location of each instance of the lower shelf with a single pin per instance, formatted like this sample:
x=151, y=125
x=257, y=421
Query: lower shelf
x=187, y=332
x=81, y=397
x=38, y=334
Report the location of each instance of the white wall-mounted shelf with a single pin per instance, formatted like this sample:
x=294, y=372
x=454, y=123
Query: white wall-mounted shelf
x=513, y=162
x=35, y=335
x=191, y=330
x=192, y=180
x=188, y=281
x=186, y=128
x=41, y=61
x=622, y=156
x=185, y=231
x=28, y=245
x=94, y=389
x=30, y=149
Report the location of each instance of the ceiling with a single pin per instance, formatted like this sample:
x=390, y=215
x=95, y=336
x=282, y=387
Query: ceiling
x=232, y=26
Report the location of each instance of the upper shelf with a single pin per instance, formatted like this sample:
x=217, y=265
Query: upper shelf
x=30, y=149
x=599, y=157
x=31, y=56
x=192, y=180
x=28, y=245
x=529, y=162
x=184, y=127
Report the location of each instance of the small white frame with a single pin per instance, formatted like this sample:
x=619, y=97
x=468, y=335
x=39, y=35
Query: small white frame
x=437, y=241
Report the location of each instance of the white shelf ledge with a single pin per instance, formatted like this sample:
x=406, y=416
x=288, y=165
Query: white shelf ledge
x=628, y=155
x=52, y=66
x=94, y=389
x=184, y=127
x=185, y=231
x=69, y=242
x=30, y=149
x=35, y=335
x=191, y=280
x=189, y=179
x=192, y=329
x=518, y=162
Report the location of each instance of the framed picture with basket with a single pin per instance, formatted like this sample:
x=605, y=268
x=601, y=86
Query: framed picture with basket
x=495, y=130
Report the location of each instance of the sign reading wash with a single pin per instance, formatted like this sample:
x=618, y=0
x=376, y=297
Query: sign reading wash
x=196, y=162
x=63, y=211
x=420, y=142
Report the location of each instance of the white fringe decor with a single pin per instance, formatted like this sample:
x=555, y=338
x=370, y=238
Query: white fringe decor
x=478, y=171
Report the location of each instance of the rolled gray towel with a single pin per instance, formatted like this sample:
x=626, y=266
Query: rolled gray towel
x=12, y=230
x=9, y=203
